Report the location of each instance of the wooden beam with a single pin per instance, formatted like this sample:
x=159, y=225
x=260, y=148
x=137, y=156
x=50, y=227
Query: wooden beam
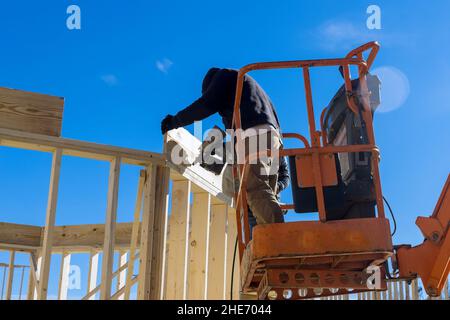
x=93, y=272
x=20, y=235
x=110, y=227
x=9, y=284
x=216, y=256
x=49, y=225
x=198, y=241
x=91, y=235
x=135, y=231
x=31, y=281
x=94, y=291
x=63, y=286
x=72, y=238
x=30, y=112
x=217, y=185
x=159, y=232
x=76, y=148
x=121, y=292
x=177, y=243
x=146, y=248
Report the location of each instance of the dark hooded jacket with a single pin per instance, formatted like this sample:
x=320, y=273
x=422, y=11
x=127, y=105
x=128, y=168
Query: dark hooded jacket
x=218, y=94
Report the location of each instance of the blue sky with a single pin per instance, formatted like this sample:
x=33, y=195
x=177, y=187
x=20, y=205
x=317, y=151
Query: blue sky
x=134, y=62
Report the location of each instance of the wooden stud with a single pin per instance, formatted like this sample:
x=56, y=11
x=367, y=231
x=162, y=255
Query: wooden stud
x=134, y=232
x=177, y=242
x=159, y=232
x=31, y=289
x=198, y=240
x=110, y=226
x=64, y=276
x=33, y=280
x=9, y=284
x=49, y=226
x=121, y=291
x=93, y=272
x=146, y=247
x=216, y=256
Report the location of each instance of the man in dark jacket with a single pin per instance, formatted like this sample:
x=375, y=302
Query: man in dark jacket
x=260, y=124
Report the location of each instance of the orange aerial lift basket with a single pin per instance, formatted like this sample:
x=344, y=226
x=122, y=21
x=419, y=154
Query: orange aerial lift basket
x=331, y=256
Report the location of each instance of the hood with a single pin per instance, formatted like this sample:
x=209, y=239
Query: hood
x=208, y=78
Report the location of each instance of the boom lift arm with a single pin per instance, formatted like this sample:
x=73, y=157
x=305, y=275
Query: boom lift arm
x=429, y=260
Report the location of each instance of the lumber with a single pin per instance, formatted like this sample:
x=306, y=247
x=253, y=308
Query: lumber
x=134, y=232
x=72, y=238
x=76, y=148
x=179, y=141
x=146, y=247
x=110, y=227
x=31, y=112
x=49, y=226
x=9, y=284
x=198, y=245
x=216, y=256
x=159, y=232
x=177, y=240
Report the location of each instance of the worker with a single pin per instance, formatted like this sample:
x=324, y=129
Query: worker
x=258, y=120
x=282, y=184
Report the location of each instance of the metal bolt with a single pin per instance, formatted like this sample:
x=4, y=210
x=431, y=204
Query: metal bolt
x=193, y=243
x=435, y=236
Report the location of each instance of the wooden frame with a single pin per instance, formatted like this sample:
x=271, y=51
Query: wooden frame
x=191, y=257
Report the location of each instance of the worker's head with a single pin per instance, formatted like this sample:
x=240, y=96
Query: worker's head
x=208, y=78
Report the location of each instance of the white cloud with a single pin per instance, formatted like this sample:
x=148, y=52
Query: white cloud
x=342, y=35
x=110, y=79
x=164, y=65
x=334, y=35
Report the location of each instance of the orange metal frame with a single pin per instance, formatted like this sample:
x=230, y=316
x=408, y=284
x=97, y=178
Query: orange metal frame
x=318, y=145
x=431, y=259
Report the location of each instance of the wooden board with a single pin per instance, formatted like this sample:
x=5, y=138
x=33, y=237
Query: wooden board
x=73, y=238
x=216, y=255
x=31, y=112
x=76, y=148
x=48, y=231
x=198, y=245
x=180, y=143
x=177, y=245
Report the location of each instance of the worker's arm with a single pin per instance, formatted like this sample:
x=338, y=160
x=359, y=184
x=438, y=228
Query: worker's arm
x=209, y=103
x=283, y=175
